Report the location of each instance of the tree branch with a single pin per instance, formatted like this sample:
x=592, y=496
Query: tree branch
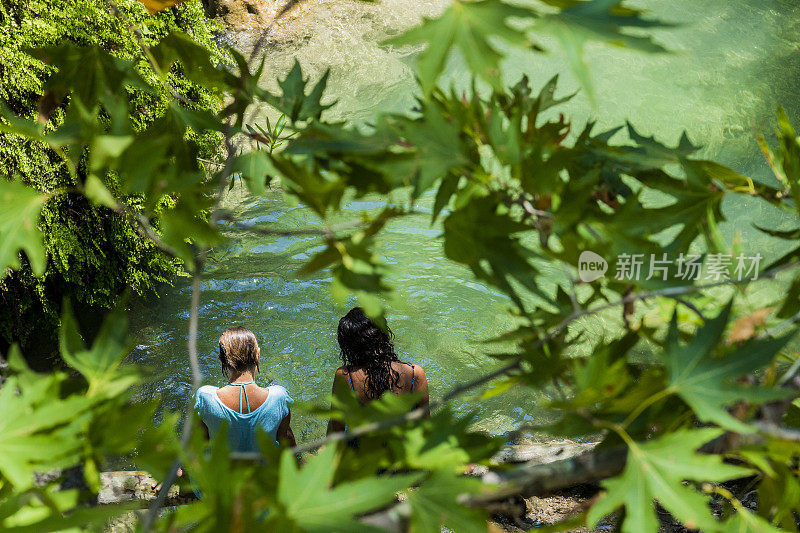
x=541, y=479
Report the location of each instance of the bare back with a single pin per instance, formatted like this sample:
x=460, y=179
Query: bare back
x=411, y=378
x=230, y=395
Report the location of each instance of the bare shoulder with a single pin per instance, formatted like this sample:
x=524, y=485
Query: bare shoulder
x=341, y=374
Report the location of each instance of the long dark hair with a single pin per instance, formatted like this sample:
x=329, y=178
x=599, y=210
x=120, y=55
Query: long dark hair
x=365, y=344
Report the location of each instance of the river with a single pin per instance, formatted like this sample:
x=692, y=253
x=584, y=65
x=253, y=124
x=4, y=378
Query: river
x=732, y=63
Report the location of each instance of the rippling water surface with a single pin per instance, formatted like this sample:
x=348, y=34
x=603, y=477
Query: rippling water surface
x=733, y=61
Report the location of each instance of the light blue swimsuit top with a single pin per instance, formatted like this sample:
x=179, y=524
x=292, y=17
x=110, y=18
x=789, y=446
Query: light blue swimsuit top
x=243, y=426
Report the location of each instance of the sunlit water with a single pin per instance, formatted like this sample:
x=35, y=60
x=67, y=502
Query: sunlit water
x=733, y=63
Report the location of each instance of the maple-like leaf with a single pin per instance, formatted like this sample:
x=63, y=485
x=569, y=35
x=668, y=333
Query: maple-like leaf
x=655, y=471
x=493, y=253
x=707, y=383
x=605, y=21
x=102, y=365
x=468, y=27
x=435, y=504
x=294, y=102
x=19, y=219
x=88, y=72
x=38, y=430
x=309, y=501
x=196, y=60
x=438, y=149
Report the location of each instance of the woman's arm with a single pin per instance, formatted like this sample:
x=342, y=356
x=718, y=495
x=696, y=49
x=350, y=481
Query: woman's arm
x=421, y=387
x=285, y=435
x=334, y=425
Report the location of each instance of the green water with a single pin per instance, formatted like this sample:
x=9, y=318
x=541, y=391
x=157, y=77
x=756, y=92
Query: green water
x=733, y=62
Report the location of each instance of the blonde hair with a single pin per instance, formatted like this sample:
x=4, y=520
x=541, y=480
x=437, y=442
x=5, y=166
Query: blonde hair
x=238, y=350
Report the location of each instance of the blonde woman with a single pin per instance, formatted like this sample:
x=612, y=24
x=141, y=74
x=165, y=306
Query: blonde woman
x=242, y=404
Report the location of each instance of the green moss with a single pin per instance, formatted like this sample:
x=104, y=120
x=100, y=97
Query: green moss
x=93, y=254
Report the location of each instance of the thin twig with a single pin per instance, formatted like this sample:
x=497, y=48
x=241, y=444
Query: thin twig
x=142, y=226
x=778, y=432
x=197, y=380
x=691, y=307
x=197, y=376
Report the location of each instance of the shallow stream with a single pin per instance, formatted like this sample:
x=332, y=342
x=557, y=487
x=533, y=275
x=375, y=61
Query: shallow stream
x=733, y=62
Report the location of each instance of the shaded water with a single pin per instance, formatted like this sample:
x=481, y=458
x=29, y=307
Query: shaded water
x=734, y=61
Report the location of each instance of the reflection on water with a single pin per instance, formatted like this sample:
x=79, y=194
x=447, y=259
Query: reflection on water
x=734, y=61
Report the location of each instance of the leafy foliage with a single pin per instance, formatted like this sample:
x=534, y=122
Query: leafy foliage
x=21, y=210
x=655, y=471
x=91, y=254
x=468, y=27
x=706, y=384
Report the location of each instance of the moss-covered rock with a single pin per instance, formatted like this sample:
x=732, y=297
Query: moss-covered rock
x=93, y=254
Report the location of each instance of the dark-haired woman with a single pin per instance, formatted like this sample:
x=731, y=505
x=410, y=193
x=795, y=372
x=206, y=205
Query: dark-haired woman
x=242, y=404
x=370, y=366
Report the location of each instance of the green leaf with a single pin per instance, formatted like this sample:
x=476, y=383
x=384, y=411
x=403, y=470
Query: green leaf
x=38, y=430
x=256, y=169
x=649, y=153
x=438, y=149
x=20, y=126
x=97, y=192
x=707, y=383
x=435, y=504
x=655, y=470
x=696, y=209
x=446, y=190
x=787, y=162
x=185, y=230
x=319, y=192
x=744, y=521
x=75, y=519
x=19, y=219
x=492, y=253
x=90, y=73
x=294, y=102
x=311, y=503
x=469, y=27
x=178, y=47
x=106, y=149
x=444, y=442
x=102, y=364
x=604, y=374
x=605, y=21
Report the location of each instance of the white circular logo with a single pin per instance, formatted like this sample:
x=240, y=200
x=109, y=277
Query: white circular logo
x=591, y=266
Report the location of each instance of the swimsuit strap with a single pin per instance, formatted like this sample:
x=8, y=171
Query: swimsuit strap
x=412, y=378
x=243, y=391
x=350, y=377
